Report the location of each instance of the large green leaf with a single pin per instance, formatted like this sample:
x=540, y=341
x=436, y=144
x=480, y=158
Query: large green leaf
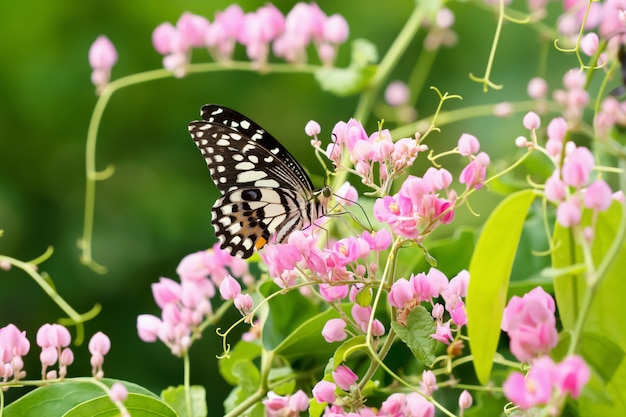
x=83, y=399
x=605, y=320
x=490, y=269
x=285, y=314
x=176, y=397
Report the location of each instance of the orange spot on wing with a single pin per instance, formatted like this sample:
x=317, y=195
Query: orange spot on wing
x=260, y=242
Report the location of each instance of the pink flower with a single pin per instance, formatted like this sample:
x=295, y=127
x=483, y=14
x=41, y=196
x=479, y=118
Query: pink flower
x=555, y=189
x=193, y=29
x=474, y=174
x=428, y=384
x=537, y=88
x=465, y=400
x=229, y=288
x=99, y=345
x=443, y=333
x=336, y=29
x=530, y=323
x=312, y=128
x=468, y=144
x=102, y=53
x=401, y=292
x=118, y=393
x=572, y=374
x=243, y=303
x=166, y=291
x=148, y=327
x=532, y=121
x=53, y=335
x=534, y=389
x=598, y=196
x=324, y=392
x=378, y=240
x=334, y=330
x=397, y=94
x=577, y=167
x=102, y=57
x=286, y=406
x=344, y=377
x=416, y=405
x=568, y=213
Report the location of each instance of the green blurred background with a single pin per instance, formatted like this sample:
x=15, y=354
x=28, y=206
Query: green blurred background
x=156, y=208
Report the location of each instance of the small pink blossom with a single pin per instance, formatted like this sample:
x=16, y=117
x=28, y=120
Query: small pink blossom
x=572, y=374
x=118, y=393
x=535, y=388
x=589, y=43
x=468, y=144
x=324, y=392
x=334, y=330
x=428, y=384
x=537, y=88
x=99, y=346
x=229, y=288
x=577, y=167
x=568, y=214
x=397, y=94
x=530, y=324
x=193, y=28
x=312, y=128
x=598, y=196
x=443, y=333
x=465, y=400
x=344, y=377
x=532, y=121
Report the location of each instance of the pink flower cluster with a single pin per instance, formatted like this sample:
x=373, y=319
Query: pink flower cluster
x=13, y=346
x=417, y=209
x=373, y=156
x=334, y=267
x=546, y=382
x=407, y=294
x=336, y=393
x=570, y=186
x=290, y=35
x=474, y=174
x=53, y=339
x=286, y=406
x=186, y=304
x=530, y=324
x=335, y=329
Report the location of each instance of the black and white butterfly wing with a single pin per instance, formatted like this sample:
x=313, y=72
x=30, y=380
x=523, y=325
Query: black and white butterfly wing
x=265, y=192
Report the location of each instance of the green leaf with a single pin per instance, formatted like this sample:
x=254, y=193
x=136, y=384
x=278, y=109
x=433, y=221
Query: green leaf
x=490, y=270
x=286, y=313
x=306, y=340
x=346, y=349
x=84, y=399
x=175, y=397
x=136, y=404
x=605, y=319
x=248, y=381
x=356, y=77
x=416, y=334
x=242, y=351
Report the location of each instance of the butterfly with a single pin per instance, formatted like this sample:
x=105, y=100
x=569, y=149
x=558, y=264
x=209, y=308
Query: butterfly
x=266, y=194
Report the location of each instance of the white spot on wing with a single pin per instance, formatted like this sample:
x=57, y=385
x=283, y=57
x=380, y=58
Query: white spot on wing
x=253, y=176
